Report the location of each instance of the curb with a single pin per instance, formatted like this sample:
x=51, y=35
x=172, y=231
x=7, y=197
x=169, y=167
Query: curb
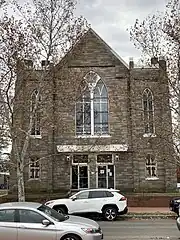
x=144, y=215
x=139, y=216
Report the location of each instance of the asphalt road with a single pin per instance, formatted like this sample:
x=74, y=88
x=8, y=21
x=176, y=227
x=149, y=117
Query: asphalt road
x=140, y=229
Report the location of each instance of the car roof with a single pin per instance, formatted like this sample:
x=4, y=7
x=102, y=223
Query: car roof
x=32, y=205
x=100, y=189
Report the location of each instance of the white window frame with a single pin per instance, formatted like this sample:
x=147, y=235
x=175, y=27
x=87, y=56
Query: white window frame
x=106, y=164
x=35, y=167
x=91, y=87
x=150, y=134
x=151, y=166
x=79, y=165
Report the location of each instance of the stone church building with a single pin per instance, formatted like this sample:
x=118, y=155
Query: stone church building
x=100, y=123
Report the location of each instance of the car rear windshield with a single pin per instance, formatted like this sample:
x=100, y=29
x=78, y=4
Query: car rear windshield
x=52, y=213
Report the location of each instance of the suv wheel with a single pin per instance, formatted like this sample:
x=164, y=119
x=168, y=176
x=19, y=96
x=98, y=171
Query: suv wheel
x=110, y=213
x=61, y=210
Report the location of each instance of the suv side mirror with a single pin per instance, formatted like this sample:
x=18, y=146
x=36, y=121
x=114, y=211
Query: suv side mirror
x=74, y=198
x=46, y=222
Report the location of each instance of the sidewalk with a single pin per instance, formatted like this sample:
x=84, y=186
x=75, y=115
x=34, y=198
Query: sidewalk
x=150, y=212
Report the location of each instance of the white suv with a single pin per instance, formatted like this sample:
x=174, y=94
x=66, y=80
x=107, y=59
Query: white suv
x=108, y=202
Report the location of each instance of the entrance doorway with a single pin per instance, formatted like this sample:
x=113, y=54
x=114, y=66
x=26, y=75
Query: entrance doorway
x=105, y=177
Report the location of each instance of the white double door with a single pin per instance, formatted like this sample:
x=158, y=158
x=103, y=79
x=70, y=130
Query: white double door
x=105, y=176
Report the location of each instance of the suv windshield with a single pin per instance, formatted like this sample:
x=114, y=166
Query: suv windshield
x=52, y=213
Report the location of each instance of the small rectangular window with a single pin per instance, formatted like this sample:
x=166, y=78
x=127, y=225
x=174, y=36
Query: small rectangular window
x=104, y=158
x=151, y=166
x=80, y=158
x=34, y=168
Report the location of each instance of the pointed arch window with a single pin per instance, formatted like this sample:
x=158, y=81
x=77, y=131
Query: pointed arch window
x=148, y=111
x=83, y=113
x=100, y=108
x=92, y=107
x=35, y=113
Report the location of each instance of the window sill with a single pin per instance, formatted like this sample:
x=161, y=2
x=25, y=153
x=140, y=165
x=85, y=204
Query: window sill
x=34, y=179
x=152, y=178
x=92, y=136
x=149, y=135
x=36, y=136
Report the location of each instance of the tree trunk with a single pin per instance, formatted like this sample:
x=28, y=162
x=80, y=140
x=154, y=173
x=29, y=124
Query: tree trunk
x=20, y=183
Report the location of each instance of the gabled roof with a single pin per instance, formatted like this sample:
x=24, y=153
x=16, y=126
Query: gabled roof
x=108, y=47
x=90, y=30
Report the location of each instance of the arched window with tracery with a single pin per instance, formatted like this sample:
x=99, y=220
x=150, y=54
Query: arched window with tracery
x=100, y=108
x=148, y=111
x=83, y=112
x=92, y=107
x=35, y=113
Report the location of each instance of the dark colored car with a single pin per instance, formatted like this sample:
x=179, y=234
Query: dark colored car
x=174, y=205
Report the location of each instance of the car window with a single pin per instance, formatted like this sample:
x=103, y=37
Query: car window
x=109, y=194
x=29, y=216
x=7, y=215
x=97, y=194
x=52, y=213
x=83, y=195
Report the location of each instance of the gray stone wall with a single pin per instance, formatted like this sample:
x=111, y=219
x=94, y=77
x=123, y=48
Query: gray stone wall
x=125, y=88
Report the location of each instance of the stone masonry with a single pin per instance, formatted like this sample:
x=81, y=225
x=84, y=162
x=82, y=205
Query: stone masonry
x=126, y=141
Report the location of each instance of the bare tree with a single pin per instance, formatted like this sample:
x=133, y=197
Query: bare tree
x=46, y=31
x=2, y=3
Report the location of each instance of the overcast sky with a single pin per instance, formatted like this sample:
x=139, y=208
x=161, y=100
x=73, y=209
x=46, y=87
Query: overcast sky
x=111, y=18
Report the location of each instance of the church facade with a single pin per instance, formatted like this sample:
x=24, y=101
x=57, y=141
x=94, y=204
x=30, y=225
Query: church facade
x=100, y=123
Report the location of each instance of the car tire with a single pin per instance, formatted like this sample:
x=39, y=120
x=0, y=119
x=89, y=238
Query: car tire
x=110, y=213
x=70, y=237
x=61, y=210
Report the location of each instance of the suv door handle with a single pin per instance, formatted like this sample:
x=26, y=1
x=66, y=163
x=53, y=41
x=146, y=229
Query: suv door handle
x=22, y=226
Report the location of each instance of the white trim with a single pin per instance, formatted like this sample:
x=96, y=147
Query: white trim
x=149, y=135
x=36, y=136
x=93, y=148
x=5, y=173
x=93, y=136
x=152, y=178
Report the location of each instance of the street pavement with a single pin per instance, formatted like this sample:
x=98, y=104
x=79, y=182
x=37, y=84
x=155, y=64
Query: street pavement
x=135, y=229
